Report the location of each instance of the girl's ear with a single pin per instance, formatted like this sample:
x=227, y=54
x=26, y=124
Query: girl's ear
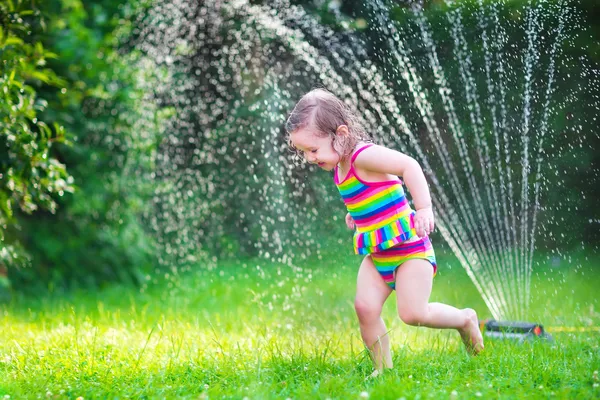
x=341, y=140
x=342, y=130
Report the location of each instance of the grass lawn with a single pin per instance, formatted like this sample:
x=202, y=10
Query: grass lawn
x=260, y=330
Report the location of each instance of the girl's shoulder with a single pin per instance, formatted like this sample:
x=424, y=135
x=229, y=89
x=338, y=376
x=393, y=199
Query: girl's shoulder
x=370, y=148
x=381, y=160
x=346, y=166
x=359, y=148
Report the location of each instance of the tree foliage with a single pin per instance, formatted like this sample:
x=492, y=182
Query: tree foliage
x=31, y=176
x=90, y=95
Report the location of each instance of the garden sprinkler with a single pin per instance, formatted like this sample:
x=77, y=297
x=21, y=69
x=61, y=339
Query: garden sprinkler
x=520, y=331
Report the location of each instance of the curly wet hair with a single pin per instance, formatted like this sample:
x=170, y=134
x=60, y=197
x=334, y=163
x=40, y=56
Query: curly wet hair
x=325, y=112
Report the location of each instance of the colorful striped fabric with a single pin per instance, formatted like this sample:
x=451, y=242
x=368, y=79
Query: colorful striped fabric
x=380, y=210
x=386, y=262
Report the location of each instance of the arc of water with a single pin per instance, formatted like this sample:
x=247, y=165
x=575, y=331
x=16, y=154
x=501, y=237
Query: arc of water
x=391, y=103
x=563, y=11
x=455, y=129
x=449, y=236
x=319, y=70
x=498, y=123
x=297, y=44
x=464, y=63
x=530, y=56
x=501, y=216
x=419, y=95
x=497, y=217
x=450, y=228
x=375, y=89
x=510, y=216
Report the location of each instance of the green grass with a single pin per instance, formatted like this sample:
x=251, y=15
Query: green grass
x=262, y=330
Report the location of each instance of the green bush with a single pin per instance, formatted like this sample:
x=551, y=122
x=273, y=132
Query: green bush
x=96, y=234
x=31, y=177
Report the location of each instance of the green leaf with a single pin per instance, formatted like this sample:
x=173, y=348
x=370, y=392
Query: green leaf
x=17, y=84
x=50, y=54
x=39, y=48
x=40, y=76
x=45, y=131
x=5, y=205
x=13, y=40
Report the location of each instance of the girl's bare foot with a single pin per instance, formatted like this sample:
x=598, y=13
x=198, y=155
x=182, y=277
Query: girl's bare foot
x=470, y=333
x=374, y=374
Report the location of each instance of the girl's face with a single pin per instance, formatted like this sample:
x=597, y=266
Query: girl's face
x=317, y=149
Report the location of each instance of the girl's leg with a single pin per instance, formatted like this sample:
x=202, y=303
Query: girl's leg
x=414, y=280
x=371, y=293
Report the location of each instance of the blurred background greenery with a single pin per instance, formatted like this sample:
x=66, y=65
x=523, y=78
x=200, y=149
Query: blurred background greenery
x=71, y=204
x=78, y=145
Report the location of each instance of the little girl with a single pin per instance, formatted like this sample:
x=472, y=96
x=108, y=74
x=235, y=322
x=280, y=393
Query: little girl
x=393, y=236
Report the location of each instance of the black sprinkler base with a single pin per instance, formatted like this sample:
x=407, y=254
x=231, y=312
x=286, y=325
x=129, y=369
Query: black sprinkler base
x=519, y=331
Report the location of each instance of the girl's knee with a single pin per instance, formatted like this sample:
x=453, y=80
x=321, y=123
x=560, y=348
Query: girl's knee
x=365, y=310
x=412, y=317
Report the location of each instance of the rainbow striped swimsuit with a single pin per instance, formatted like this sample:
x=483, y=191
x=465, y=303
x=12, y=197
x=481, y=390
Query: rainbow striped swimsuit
x=384, y=222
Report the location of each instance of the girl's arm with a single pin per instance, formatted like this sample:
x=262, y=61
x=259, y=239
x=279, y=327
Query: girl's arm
x=382, y=160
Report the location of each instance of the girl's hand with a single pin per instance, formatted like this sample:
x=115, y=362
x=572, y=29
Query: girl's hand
x=350, y=221
x=424, y=221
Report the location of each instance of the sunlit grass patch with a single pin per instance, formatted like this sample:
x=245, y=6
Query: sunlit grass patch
x=260, y=330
